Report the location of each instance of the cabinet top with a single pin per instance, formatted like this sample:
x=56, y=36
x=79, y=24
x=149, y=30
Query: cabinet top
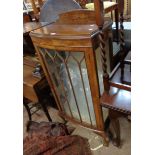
x=56, y=30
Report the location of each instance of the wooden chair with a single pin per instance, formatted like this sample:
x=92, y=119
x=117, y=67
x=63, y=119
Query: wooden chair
x=26, y=15
x=109, y=7
x=118, y=101
x=36, y=10
x=125, y=46
x=116, y=96
x=127, y=10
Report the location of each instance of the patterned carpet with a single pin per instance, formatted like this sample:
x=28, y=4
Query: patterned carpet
x=95, y=141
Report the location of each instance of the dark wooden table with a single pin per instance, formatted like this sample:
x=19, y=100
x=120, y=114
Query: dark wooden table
x=28, y=47
x=30, y=26
x=34, y=89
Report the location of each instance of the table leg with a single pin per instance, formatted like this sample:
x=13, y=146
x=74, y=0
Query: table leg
x=116, y=126
x=41, y=91
x=45, y=111
x=28, y=110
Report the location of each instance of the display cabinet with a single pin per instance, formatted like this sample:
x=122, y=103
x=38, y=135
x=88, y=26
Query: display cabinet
x=68, y=52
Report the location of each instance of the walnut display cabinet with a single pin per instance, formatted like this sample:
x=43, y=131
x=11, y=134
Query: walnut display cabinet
x=67, y=51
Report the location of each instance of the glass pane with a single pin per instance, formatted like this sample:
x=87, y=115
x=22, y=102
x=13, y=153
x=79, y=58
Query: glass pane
x=68, y=73
x=78, y=72
x=88, y=92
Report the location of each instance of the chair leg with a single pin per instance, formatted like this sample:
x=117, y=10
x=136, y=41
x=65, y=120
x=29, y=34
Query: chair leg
x=107, y=128
x=28, y=110
x=122, y=71
x=113, y=115
x=116, y=126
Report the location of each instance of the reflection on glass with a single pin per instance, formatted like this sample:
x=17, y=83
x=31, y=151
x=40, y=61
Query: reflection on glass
x=68, y=73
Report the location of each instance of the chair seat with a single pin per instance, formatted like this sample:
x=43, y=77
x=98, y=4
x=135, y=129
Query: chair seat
x=117, y=99
x=107, y=6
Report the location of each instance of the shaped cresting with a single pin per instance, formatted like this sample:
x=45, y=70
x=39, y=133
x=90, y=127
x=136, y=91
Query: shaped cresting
x=73, y=68
x=52, y=8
